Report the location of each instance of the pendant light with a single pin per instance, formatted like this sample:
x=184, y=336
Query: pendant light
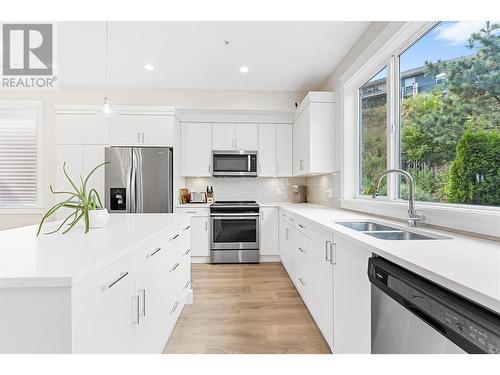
x=107, y=107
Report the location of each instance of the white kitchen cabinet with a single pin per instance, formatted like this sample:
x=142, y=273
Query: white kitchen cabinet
x=69, y=129
x=224, y=136
x=93, y=155
x=112, y=324
x=322, y=282
x=269, y=230
x=352, y=294
x=246, y=137
x=196, y=149
x=200, y=229
x=313, y=129
x=284, y=150
x=158, y=130
x=231, y=136
x=95, y=130
x=267, y=150
x=142, y=130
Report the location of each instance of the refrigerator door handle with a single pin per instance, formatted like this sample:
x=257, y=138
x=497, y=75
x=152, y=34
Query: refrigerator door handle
x=132, y=185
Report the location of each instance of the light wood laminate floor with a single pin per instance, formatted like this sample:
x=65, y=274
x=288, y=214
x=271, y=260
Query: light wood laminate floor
x=245, y=309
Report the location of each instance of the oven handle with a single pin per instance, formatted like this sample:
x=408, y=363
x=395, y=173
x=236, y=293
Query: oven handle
x=244, y=215
x=229, y=217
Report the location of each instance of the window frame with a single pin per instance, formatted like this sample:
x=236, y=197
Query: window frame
x=37, y=107
x=396, y=38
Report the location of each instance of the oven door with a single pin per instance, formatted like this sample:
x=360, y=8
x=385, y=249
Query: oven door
x=234, y=163
x=234, y=231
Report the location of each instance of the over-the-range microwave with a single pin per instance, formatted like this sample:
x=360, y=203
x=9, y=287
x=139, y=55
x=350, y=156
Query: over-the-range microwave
x=234, y=163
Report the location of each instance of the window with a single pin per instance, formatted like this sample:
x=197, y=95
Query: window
x=20, y=155
x=450, y=126
x=373, y=132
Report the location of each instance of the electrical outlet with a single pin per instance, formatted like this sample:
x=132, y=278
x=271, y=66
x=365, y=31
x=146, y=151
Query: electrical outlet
x=329, y=192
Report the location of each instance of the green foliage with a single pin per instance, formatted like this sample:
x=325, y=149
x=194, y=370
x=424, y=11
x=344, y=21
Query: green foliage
x=475, y=172
x=80, y=200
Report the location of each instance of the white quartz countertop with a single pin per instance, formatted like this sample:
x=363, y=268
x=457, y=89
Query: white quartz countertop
x=469, y=266
x=67, y=259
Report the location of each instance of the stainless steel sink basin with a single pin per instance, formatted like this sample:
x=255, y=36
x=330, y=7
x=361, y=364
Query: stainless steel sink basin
x=386, y=232
x=399, y=235
x=366, y=226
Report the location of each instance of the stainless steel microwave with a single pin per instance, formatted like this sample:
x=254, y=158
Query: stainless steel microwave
x=234, y=163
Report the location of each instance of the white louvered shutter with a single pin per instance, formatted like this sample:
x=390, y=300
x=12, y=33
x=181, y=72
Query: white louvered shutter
x=18, y=158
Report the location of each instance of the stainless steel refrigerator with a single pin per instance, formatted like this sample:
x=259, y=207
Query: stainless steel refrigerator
x=138, y=179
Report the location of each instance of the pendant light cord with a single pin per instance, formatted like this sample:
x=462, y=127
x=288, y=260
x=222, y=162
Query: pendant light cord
x=106, y=78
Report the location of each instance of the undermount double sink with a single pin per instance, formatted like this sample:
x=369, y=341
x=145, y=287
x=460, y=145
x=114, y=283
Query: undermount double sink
x=386, y=232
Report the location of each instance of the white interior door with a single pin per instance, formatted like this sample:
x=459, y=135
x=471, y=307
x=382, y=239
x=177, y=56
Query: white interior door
x=223, y=136
x=267, y=150
x=246, y=137
x=196, y=149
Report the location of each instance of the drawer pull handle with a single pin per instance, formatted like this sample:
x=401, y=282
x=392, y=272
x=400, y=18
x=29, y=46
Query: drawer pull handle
x=189, y=226
x=186, y=252
x=142, y=302
x=302, y=226
x=136, y=310
x=113, y=283
x=174, y=267
x=327, y=250
x=191, y=212
x=174, y=308
x=154, y=252
x=187, y=284
x=302, y=250
x=302, y=281
x=174, y=237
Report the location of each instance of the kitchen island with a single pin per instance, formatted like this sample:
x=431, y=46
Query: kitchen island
x=118, y=289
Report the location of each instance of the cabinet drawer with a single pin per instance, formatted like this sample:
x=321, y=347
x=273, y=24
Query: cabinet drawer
x=90, y=295
x=195, y=211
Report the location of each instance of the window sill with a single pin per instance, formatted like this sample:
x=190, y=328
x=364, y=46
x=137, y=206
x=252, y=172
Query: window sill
x=483, y=221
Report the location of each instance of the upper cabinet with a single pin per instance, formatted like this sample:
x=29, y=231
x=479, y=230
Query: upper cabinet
x=196, y=149
x=266, y=156
x=77, y=129
x=230, y=136
x=284, y=150
x=139, y=130
x=313, y=135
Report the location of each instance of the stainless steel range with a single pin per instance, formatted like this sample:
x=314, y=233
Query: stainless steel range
x=234, y=234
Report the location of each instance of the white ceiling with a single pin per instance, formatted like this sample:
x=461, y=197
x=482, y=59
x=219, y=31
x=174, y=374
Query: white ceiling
x=192, y=55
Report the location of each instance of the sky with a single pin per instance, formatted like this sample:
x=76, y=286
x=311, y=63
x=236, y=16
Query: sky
x=447, y=40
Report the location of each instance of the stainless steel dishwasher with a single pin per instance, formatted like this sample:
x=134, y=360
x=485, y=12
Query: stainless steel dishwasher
x=411, y=314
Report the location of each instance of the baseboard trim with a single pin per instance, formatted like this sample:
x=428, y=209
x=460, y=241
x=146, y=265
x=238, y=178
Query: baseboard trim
x=262, y=259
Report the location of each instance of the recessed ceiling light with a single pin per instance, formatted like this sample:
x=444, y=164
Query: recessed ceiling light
x=244, y=69
x=149, y=67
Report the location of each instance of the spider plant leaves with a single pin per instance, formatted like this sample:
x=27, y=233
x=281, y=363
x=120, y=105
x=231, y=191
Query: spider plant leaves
x=64, y=222
x=92, y=172
x=78, y=218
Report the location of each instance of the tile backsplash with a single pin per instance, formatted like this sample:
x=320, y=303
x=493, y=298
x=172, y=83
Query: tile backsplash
x=262, y=189
x=324, y=190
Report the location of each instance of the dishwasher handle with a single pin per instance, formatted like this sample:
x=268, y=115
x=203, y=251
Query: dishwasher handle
x=426, y=317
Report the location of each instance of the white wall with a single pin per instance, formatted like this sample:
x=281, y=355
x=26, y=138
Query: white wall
x=199, y=99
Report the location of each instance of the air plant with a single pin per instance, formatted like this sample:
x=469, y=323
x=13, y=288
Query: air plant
x=80, y=200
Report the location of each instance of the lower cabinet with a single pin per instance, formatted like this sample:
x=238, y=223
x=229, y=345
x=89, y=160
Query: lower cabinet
x=269, y=222
x=200, y=229
x=352, y=294
x=145, y=296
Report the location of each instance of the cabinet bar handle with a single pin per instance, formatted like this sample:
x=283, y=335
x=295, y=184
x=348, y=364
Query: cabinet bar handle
x=174, y=308
x=113, y=283
x=209, y=169
x=138, y=137
x=302, y=250
x=206, y=225
x=142, y=137
x=136, y=309
x=333, y=253
x=186, y=252
x=189, y=226
x=302, y=281
x=187, y=284
x=327, y=249
x=154, y=252
x=174, y=237
x=174, y=267
x=142, y=302
x=302, y=226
